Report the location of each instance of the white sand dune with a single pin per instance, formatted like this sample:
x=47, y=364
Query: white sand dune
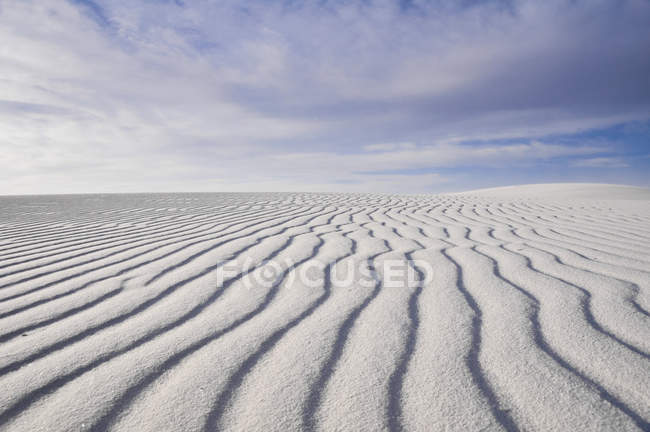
x=528, y=309
x=564, y=191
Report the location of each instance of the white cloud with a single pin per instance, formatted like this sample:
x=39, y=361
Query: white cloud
x=389, y=146
x=429, y=156
x=161, y=97
x=601, y=162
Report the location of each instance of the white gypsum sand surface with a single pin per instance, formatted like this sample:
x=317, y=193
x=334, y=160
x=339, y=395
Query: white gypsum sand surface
x=528, y=309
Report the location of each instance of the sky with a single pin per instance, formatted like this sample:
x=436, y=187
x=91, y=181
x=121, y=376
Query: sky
x=359, y=95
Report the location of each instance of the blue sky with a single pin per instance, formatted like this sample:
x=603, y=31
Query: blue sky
x=382, y=96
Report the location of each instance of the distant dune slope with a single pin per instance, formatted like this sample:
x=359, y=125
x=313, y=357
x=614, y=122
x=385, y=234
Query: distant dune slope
x=521, y=309
x=565, y=191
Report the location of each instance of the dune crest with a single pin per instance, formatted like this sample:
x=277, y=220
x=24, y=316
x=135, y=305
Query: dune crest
x=565, y=191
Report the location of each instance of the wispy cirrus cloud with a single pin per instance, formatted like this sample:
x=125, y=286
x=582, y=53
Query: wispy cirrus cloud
x=601, y=162
x=304, y=95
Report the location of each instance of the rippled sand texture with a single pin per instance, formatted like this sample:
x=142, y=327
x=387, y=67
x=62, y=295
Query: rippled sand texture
x=535, y=317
